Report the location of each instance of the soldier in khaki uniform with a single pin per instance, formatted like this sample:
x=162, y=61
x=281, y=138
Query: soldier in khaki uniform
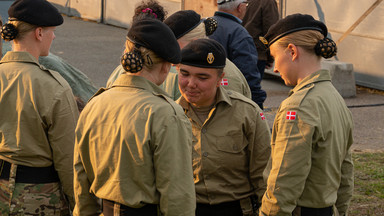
x=38, y=118
x=188, y=26
x=312, y=170
x=230, y=135
x=133, y=143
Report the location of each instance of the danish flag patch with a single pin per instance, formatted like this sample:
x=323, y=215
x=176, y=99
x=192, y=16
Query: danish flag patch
x=224, y=82
x=262, y=116
x=291, y=115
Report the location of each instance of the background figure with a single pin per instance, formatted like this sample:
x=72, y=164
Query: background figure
x=38, y=117
x=133, y=142
x=312, y=169
x=259, y=17
x=188, y=26
x=239, y=44
x=82, y=87
x=230, y=135
x=151, y=9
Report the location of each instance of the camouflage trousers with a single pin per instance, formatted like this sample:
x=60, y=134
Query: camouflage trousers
x=31, y=199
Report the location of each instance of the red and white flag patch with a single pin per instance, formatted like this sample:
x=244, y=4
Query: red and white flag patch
x=224, y=82
x=291, y=115
x=262, y=116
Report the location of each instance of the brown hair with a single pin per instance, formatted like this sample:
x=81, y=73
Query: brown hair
x=156, y=10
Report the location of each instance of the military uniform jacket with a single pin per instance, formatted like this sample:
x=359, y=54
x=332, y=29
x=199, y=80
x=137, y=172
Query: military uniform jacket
x=133, y=146
x=311, y=157
x=230, y=149
x=38, y=116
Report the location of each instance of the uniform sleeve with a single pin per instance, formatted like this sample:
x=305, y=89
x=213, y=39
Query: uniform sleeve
x=260, y=150
x=243, y=53
x=86, y=203
x=344, y=193
x=173, y=166
x=291, y=162
x=61, y=135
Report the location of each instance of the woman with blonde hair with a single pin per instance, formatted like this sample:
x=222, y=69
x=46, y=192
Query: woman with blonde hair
x=311, y=171
x=38, y=117
x=133, y=143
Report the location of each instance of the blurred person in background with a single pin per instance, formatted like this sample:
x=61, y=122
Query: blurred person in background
x=259, y=17
x=238, y=44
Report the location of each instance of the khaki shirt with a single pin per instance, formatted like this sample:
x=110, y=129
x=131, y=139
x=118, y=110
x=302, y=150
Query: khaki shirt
x=230, y=150
x=134, y=147
x=311, y=157
x=235, y=80
x=38, y=117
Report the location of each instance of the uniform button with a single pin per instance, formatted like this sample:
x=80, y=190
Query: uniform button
x=205, y=154
x=235, y=148
x=213, y=197
x=229, y=92
x=204, y=130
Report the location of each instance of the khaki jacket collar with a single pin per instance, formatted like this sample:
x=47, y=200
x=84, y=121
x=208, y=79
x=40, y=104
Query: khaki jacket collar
x=18, y=56
x=318, y=76
x=221, y=97
x=127, y=80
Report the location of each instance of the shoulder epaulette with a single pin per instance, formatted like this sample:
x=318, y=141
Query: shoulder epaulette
x=298, y=96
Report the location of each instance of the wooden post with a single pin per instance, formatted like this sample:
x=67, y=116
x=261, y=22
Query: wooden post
x=374, y=5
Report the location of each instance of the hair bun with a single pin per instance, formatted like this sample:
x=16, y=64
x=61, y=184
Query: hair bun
x=9, y=32
x=210, y=25
x=326, y=48
x=132, y=61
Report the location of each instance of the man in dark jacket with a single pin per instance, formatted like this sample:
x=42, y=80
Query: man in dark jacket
x=260, y=15
x=239, y=44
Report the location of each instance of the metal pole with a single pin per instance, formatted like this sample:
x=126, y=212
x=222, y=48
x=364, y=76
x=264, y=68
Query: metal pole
x=102, y=11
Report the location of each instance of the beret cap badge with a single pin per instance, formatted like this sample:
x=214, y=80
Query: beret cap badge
x=263, y=40
x=210, y=58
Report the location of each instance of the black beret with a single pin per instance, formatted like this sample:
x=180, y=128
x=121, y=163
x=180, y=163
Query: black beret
x=290, y=24
x=204, y=53
x=183, y=22
x=156, y=36
x=36, y=12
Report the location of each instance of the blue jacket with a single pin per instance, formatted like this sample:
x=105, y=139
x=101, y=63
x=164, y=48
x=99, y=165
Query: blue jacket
x=240, y=50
